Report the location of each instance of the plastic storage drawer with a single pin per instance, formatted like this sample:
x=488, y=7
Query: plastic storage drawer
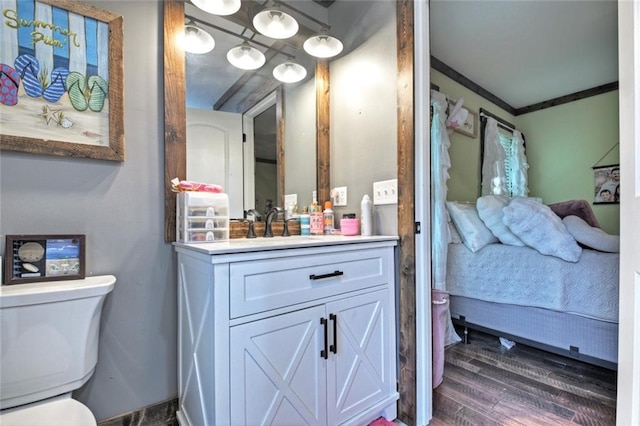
x=202, y=217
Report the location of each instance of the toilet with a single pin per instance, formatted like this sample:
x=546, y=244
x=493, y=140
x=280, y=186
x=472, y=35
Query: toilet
x=49, y=344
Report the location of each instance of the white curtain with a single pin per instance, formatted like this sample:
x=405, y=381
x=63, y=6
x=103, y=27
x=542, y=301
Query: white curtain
x=494, y=180
x=440, y=163
x=519, y=166
x=504, y=166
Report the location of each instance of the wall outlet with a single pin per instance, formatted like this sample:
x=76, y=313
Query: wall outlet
x=340, y=196
x=385, y=192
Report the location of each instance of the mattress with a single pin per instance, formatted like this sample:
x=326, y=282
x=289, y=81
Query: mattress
x=522, y=276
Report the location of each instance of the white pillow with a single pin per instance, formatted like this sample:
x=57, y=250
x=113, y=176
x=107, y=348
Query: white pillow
x=474, y=233
x=454, y=235
x=490, y=211
x=590, y=236
x=539, y=227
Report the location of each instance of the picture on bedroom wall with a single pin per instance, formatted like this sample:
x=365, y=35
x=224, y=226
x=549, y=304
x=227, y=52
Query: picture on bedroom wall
x=607, y=184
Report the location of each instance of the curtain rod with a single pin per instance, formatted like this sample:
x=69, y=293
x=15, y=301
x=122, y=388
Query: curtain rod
x=501, y=122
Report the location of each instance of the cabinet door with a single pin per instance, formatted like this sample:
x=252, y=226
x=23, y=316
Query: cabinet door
x=361, y=372
x=277, y=374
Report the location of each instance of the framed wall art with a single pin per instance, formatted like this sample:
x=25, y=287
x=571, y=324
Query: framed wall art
x=470, y=125
x=61, y=79
x=607, y=184
x=30, y=258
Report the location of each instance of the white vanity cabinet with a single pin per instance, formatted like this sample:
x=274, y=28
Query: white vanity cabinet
x=302, y=335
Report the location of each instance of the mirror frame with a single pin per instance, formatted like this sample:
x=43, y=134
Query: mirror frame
x=175, y=166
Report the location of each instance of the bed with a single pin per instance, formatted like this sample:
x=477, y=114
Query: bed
x=569, y=307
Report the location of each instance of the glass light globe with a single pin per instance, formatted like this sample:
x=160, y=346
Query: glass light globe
x=246, y=57
x=289, y=72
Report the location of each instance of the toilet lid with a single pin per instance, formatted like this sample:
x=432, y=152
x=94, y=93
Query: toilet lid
x=62, y=412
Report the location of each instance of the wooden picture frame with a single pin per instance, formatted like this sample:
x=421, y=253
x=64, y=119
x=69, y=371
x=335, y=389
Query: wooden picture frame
x=31, y=258
x=606, y=184
x=62, y=74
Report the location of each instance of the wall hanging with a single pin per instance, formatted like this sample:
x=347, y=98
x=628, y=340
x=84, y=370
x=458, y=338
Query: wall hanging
x=61, y=79
x=30, y=258
x=607, y=184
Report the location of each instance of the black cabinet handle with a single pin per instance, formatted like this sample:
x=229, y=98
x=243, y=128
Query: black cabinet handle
x=323, y=353
x=332, y=274
x=334, y=348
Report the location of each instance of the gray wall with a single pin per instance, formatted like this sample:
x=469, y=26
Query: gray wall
x=364, y=106
x=119, y=206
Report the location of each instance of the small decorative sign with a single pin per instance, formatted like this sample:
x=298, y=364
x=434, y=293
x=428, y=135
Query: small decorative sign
x=30, y=258
x=607, y=184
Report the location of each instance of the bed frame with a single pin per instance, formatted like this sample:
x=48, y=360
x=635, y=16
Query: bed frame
x=574, y=336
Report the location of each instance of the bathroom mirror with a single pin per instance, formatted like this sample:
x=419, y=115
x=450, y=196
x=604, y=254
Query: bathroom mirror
x=208, y=84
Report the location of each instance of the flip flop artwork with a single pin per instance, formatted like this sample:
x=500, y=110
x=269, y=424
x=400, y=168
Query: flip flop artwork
x=84, y=93
x=56, y=89
x=9, y=83
x=28, y=67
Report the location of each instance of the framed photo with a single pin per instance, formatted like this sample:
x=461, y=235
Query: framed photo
x=470, y=126
x=607, y=184
x=30, y=258
x=61, y=79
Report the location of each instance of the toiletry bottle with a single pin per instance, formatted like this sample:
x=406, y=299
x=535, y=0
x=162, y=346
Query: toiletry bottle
x=328, y=219
x=365, y=216
x=305, y=222
x=315, y=217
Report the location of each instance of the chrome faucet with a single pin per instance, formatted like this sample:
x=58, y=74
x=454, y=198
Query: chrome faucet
x=277, y=212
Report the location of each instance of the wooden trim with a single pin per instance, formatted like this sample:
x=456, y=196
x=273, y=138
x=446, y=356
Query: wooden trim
x=594, y=91
x=280, y=145
x=175, y=112
x=406, y=213
x=323, y=144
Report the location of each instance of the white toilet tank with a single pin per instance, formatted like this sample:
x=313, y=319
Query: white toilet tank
x=49, y=337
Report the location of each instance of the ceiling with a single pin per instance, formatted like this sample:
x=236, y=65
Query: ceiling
x=526, y=52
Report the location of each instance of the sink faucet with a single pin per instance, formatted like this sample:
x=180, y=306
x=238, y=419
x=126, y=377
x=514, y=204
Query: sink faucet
x=277, y=212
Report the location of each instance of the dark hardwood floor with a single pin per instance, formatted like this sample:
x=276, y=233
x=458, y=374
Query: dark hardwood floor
x=486, y=384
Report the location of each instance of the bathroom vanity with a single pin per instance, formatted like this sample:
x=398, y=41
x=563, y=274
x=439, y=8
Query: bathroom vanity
x=287, y=331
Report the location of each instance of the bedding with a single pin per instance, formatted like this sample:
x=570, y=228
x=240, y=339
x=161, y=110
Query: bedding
x=542, y=301
x=490, y=211
x=591, y=236
x=521, y=276
x=538, y=227
x=474, y=233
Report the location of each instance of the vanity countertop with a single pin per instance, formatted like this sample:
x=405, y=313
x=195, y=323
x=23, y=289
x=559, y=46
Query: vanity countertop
x=245, y=245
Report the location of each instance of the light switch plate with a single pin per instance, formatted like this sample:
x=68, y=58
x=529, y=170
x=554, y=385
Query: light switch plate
x=340, y=196
x=290, y=199
x=385, y=192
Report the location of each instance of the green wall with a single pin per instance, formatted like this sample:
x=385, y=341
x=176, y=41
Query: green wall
x=563, y=144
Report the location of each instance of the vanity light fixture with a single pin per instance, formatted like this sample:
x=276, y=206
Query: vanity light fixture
x=218, y=7
x=275, y=23
x=197, y=40
x=322, y=45
x=289, y=72
x=246, y=57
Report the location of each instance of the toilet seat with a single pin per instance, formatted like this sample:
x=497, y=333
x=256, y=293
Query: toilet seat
x=57, y=412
